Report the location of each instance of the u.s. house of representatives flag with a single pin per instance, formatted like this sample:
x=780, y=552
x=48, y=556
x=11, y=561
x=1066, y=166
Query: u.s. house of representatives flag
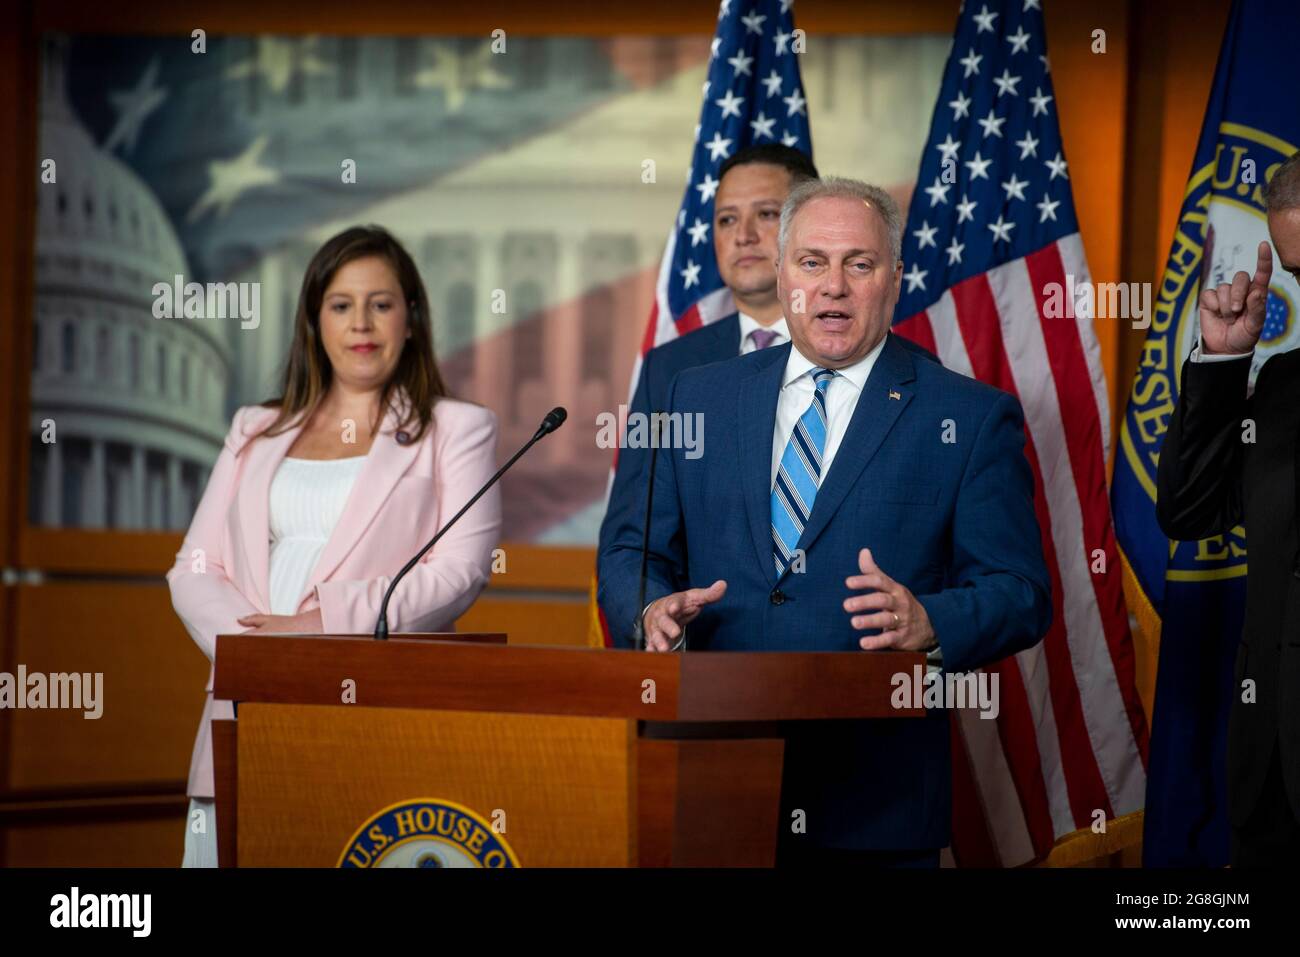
x=753, y=95
x=1193, y=593
x=991, y=227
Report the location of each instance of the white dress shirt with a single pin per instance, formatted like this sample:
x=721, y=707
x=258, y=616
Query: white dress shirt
x=842, y=396
x=748, y=324
x=841, y=399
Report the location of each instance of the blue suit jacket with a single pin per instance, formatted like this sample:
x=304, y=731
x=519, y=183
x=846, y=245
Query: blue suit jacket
x=951, y=520
x=715, y=342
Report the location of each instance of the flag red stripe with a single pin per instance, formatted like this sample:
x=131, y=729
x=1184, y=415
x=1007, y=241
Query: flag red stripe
x=918, y=330
x=982, y=332
x=689, y=320
x=1082, y=427
x=651, y=327
x=972, y=844
x=604, y=627
x=1016, y=729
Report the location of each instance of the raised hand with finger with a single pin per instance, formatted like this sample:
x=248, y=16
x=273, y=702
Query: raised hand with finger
x=1232, y=314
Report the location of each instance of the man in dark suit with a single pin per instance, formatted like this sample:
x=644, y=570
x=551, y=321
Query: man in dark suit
x=849, y=495
x=1230, y=459
x=752, y=185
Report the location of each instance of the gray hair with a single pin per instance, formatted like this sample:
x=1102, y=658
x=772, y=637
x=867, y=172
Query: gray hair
x=842, y=188
x=1282, y=191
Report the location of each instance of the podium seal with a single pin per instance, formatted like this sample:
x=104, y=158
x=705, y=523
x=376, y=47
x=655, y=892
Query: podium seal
x=426, y=832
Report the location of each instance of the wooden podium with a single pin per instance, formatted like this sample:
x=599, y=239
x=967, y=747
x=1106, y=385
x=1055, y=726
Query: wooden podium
x=542, y=756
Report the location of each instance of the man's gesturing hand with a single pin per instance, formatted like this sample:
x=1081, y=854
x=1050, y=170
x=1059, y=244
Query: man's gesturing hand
x=665, y=618
x=1232, y=315
x=890, y=606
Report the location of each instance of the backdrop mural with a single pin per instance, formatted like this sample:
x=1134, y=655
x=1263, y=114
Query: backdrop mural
x=514, y=178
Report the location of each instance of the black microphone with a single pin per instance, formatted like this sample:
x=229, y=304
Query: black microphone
x=554, y=419
x=638, y=627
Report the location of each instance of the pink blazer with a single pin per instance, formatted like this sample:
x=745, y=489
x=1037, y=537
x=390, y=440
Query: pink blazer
x=402, y=496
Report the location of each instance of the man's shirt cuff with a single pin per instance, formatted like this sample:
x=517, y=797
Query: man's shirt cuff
x=1199, y=356
x=934, y=660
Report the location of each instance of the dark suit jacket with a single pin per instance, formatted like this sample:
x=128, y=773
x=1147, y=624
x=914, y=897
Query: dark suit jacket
x=1210, y=480
x=953, y=521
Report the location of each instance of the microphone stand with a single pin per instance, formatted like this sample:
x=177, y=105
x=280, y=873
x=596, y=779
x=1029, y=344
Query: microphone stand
x=554, y=419
x=638, y=627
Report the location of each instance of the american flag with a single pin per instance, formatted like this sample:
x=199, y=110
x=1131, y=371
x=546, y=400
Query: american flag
x=991, y=226
x=753, y=95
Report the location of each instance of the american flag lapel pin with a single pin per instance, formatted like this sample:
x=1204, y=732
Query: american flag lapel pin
x=894, y=395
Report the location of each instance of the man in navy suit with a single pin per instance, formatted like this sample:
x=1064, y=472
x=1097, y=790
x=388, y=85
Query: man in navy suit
x=752, y=185
x=848, y=495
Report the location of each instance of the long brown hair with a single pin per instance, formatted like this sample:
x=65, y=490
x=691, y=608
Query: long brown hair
x=307, y=371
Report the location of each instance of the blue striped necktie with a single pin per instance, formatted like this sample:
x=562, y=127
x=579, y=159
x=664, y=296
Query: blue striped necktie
x=800, y=474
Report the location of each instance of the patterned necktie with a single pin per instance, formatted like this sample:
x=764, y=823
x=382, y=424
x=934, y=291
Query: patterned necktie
x=762, y=338
x=800, y=474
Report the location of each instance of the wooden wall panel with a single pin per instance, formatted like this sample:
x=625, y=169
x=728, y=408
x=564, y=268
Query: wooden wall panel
x=1090, y=90
x=144, y=842
x=6, y=726
x=17, y=178
x=536, y=622
x=77, y=551
x=154, y=677
x=152, y=687
x=17, y=121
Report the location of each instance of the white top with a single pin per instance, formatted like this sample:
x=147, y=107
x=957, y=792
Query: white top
x=841, y=399
x=748, y=324
x=306, y=500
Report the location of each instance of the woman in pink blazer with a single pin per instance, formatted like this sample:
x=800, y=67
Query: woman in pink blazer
x=321, y=495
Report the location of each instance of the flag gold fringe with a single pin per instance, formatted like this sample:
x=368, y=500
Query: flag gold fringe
x=1146, y=637
x=595, y=633
x=1148, y=619
x=1083, y=848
